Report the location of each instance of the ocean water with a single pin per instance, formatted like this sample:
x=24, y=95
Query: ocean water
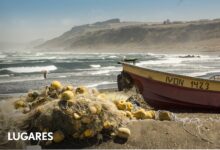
x=20, y=71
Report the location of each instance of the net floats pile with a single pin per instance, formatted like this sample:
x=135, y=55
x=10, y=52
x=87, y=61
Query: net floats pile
x=81, y=112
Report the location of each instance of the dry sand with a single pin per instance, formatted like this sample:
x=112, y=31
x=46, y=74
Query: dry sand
x=156, y=134
x=190, y=130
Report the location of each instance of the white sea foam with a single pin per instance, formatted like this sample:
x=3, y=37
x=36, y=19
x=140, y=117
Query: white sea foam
x=105, y=70
x=99, y=68
x=39, y=54
x=176, y=60
x=30, y=69
x=202, y=73
x=196, y=74
x=3, y=56
x=160, y=62
x=113, y=56
x=100, y=72
x=97, y=71
x=62, y=76
x=95, y=66
x=109, y=67
x=21, y=79
x=101, y=83
x=5, y=75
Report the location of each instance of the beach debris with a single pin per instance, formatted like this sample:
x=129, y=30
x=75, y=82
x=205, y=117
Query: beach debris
x=81, y=112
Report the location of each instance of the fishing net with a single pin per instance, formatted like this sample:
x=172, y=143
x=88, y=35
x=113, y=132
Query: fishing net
x=74, y=113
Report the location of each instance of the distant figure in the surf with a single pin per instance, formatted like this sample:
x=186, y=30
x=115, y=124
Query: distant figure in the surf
x=45, y=72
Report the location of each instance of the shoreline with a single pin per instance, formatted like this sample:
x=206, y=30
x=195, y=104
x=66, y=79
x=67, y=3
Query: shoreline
x=25, y=86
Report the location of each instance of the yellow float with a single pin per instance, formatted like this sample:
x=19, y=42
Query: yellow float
x=129, y=106
x=56, y=85
x=19, y=104
x=67, y=95
x=123, y=132
x=58, y=136
x=107, y=125
x=121, y=104
x=68, y=88
x=164, y=115
x=93, y=109
x=81, y=90
x=88, y=133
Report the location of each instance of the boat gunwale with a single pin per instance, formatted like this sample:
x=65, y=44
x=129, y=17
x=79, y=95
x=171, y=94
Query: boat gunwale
x=178, y=87
x=172, y=74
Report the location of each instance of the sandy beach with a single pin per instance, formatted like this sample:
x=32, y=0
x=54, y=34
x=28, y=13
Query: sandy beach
x=190, y=129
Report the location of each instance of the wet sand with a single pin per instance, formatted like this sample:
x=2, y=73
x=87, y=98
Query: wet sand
x=11, y=88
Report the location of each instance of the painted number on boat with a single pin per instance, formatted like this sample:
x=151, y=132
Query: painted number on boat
x=200, y=85
x=174, y=81
x=194, y=84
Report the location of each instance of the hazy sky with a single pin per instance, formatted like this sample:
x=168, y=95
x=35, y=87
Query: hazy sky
x=27, y=20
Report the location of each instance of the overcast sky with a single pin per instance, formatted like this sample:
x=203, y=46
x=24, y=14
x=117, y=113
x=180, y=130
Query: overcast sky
x=27, y=20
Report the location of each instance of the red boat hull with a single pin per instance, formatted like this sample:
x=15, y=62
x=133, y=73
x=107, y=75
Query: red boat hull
x=159, y=94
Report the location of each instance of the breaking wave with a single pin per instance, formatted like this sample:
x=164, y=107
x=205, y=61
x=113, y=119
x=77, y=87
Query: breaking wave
x=30, y=69
x=95, y=66
x=101, y=83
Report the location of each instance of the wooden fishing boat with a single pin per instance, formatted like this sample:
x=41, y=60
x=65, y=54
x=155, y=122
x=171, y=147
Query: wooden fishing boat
x=168, y=90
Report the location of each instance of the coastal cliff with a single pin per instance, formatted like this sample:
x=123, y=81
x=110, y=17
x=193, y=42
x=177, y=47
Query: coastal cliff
x=114, y=34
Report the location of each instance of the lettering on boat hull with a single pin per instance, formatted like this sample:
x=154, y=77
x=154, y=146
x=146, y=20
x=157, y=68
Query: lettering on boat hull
x=174, y=81
x=202, y=85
